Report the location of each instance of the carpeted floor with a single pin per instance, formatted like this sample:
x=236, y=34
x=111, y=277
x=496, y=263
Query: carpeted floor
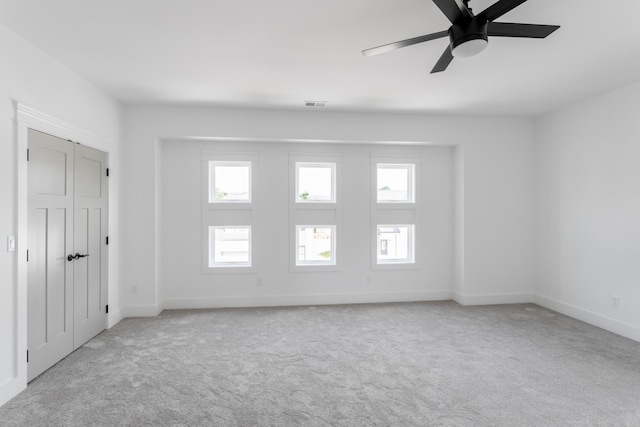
x=413, y=364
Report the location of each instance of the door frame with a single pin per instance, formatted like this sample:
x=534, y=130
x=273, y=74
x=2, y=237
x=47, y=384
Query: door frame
x=28, y=118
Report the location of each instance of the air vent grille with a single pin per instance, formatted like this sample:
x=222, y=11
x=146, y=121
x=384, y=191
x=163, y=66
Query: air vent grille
x=315, y=103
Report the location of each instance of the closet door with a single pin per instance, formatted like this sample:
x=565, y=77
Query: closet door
x=50, y=237
x=67, y=265
x=90, y=225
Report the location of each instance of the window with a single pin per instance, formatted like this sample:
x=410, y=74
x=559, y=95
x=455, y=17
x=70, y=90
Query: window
x=395, y=244
x=396, y=210
x=230, y=246
x=315, y=211
x=229, y=181
x=395, y=183
x=315, y=245
x=315, y=182
x=228, y=212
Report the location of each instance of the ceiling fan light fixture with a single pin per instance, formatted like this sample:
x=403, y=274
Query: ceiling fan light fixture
x=468, y=39
x=469, y=48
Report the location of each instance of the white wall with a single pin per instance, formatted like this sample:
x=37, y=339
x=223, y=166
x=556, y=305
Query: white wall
x=587, y=198
x=32, y=78
x=493, y=172
x=183, y=284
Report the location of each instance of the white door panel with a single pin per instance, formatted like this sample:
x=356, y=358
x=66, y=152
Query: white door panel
x=49, y=274
x=89, y=238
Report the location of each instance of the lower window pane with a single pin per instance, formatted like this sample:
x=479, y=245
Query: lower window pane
x=395, y=244
x=230, y=246
x=315, y=244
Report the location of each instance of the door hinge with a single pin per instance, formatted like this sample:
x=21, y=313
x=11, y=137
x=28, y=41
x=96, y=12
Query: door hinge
x=107, y=171
x=27, y=255
x=27, y=154
x=106, y=240
x=27, y=356
x=107, y=308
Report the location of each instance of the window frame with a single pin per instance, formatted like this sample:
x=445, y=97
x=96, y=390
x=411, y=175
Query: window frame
x=228, y=213
x=411, y=248
x=328, y=213
x=411, y=169
x=211, y=183
x=396, y=213
x=319, y=263
x=315, y=164
x=212, y=252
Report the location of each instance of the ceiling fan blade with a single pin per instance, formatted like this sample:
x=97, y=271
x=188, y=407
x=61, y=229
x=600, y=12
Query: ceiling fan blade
x=444, y=61
x=455, y=10
x=404, y=43
x=499, y=8
x=505, y=29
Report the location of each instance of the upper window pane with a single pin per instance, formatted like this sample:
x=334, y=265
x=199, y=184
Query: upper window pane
x=315, y=182
x=395, y=183
x=229, y=182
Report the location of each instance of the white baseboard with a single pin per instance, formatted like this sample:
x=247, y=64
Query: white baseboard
x=11, y=388
x=492, y=299
x=142, y=311
x=317, y=299
x=604, y=322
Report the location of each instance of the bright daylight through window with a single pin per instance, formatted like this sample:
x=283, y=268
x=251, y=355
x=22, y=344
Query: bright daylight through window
x=395, y=183
x=230, y=246
x=395, y=244
x=315, y=245
x=229, y=182
x=315, y=182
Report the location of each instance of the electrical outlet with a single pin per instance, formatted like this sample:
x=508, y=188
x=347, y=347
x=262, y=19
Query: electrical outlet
x=615, y=301
x=369, y=280
x=134, y=290
x=259, y=282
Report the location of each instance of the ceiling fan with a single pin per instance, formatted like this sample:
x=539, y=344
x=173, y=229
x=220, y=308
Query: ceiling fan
x=469, y=33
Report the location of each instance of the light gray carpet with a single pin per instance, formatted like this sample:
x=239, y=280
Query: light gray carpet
x=414, y=364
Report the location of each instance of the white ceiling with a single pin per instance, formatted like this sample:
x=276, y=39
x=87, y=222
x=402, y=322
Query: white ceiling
x=279, y=53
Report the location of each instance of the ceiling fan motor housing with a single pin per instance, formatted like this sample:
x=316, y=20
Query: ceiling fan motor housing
x=472, y=34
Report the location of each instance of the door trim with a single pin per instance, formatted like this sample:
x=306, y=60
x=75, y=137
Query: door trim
x=30, y=118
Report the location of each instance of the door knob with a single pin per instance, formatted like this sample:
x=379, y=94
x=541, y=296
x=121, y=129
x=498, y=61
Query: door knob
x=76, y=256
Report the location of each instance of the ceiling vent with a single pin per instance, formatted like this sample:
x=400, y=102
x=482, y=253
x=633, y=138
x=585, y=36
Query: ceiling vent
x=315, y=103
